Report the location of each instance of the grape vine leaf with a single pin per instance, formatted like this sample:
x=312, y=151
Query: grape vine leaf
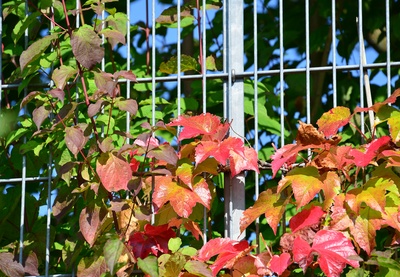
x=279, y=263
x=268, y=203
x=331, y=121
x=86, y=46
x=152, y=240
x=334, y=252
x=376, y=107
x=363, y=159
x=182, y=198
x=306, y=218
x=305, y=183
x=228, y=252
x=331, y=184
x=247, y=161
x=193, y=126
x=114, y=172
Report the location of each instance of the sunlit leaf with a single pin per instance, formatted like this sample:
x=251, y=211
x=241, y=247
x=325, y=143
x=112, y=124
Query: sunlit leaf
x=40, y=114
x=74, y=139
x=113, y=249
x=171, y=67
x=62, y=75
x=149, y=265
x=35, y=50
x=306, y=218
x=90, y=221
x=279, y=263
x=370, y=151
x=331, y=121
x=114, y=172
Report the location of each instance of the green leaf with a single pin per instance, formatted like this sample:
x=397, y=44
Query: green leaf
x=174, y=244
x=389, y=263
x=15, y=135
x=86, y=46
x=113, y=249
x=149, y=265
x=22, y=25
x=198, y=268
x=394, y=126
x=171, y=66
x=35, y=50
x=169, y=17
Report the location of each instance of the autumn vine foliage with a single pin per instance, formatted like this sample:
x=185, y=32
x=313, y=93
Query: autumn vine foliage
x=141, y=199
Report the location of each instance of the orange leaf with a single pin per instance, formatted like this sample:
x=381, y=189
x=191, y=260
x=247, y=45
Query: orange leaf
x=331, y=121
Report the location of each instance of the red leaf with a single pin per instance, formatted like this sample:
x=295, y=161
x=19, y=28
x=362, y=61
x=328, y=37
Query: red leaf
x=228, y=252
x=239, y=163
x=392, y=98
x=153, y=240
x=334, y=252
x=269, y=203
x=114, y=172
x=182, y=199
x=285, y=155
x=306, y=218
x=362, y=159
x=279, y=264
x=193, y=126
x=331, y=121
x=219, y=150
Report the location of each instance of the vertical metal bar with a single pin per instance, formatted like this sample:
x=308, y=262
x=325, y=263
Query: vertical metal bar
x=388, y=73
x=204, y=87
x=334, y=78
x=128, y=64
x=225, y=62
x=281, y=76
x=255, y=76
x=308, y=104
x=1, y=60
x=23, y=184
x=361, y=67
x=153, y=81
x=236, y=201
x=178, y=58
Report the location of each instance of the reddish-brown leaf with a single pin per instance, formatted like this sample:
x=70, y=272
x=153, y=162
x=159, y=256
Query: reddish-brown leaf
x=9, y=266
x=40, y=114
x=57, y=93
x=304, y=182
x=127, y=105
x=307, y=135
x=371, y=150
x=153, y=240
x=90, y=221
x=61, y=75
x=306, y=218
x=165, y=152
x=331, y=121
x=193, y=126
x=182, y=198
x=114, y=172
x=340, y=217
x=86, y=46
x=74, y=139
x=92, y=266
x=268, y=203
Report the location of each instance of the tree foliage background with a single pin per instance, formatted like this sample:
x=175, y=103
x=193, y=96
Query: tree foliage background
x=25, y=74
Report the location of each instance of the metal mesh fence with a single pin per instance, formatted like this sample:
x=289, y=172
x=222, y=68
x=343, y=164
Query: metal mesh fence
x=259, y=62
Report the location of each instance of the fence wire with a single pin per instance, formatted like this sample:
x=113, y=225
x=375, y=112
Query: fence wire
x=233, y=75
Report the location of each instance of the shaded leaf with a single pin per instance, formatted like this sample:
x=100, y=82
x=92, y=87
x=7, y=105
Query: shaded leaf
x=92, y=266
x=164, y=152
x=32, y=264
x=198, y=268
x=113, y=36
x=90, y=222
x=149, y=265
x=57, y=93
x=93, y=109
x=35, y=50
x=29, y=98
x=153, y=240
x=113, y=249
x=169, y=17
x=331, y=121
x=40, y=114
x=86, y=46
x=9, y=266
x=114, y=172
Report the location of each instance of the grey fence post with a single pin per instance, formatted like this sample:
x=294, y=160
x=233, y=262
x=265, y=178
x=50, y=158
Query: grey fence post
x=234, y=187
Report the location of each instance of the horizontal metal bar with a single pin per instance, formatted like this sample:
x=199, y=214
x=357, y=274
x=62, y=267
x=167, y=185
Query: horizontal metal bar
x=28, y=179
x=240, y=75
x=55, y=275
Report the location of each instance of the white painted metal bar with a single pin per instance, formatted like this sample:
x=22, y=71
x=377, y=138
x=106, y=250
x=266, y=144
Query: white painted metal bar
x=1, y=60
x=234, y=187
x=128, y=64
x=308, y=81
x=281, y=75
x=334, y=63
x=359, y=20
x=178, y=58
x=388, y=68
x=204, y=94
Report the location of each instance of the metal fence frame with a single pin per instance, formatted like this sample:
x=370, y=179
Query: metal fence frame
x=233, y=76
